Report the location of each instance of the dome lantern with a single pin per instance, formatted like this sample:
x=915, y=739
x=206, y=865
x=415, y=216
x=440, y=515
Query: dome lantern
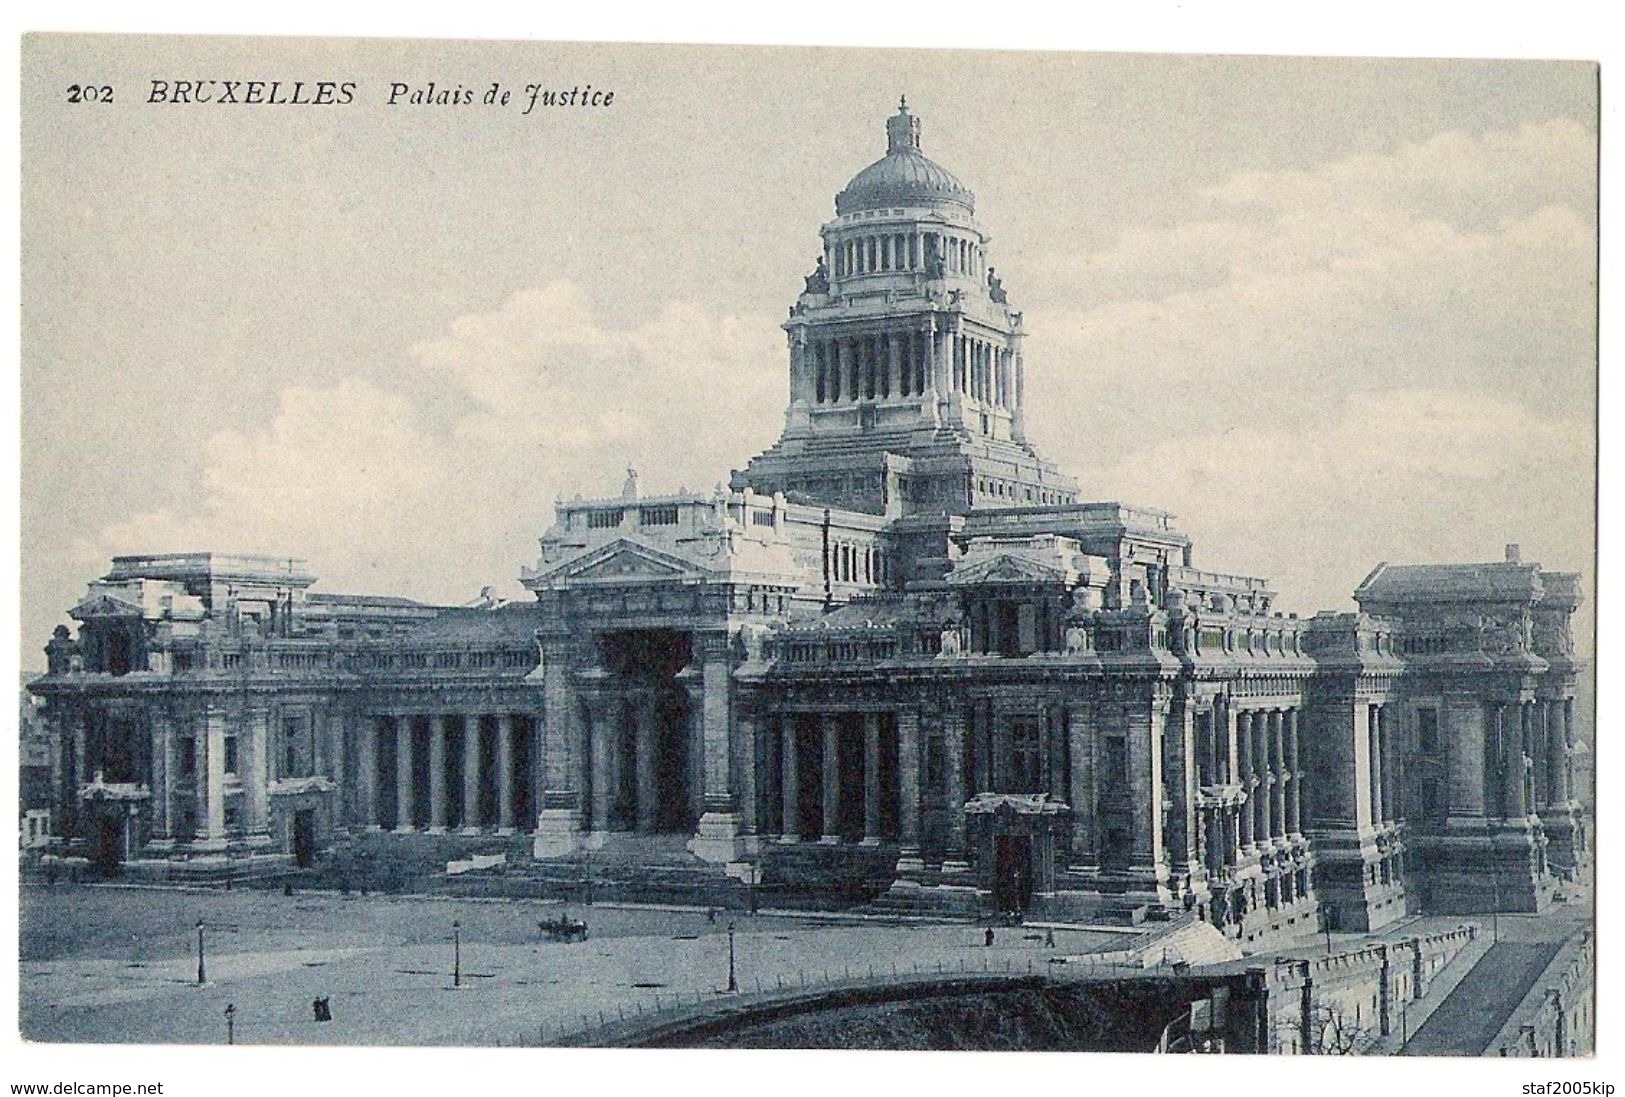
x=902, y=130
x=905, y=176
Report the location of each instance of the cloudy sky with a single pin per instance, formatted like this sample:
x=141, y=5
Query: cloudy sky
x=1327, y=312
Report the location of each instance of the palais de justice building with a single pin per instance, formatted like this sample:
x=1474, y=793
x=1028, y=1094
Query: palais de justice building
x=897, y=652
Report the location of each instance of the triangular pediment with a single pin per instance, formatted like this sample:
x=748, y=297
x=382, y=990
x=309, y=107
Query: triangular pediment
x=627, y=561
x=1007, y=568
x=104, y=605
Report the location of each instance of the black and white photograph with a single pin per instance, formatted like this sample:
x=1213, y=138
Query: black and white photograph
x=544, y=544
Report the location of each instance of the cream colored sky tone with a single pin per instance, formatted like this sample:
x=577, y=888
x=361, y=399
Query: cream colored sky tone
x=1328, y=312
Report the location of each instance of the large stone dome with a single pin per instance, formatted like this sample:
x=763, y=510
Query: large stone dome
x=905, y=176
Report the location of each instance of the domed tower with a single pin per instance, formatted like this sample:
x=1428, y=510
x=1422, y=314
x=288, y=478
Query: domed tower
x=906, y=374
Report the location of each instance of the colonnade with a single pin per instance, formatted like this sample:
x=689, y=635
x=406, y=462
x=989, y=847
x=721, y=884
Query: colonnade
x=478, y=768
x=1384, y=748
x=1269, y=765
x=1532, y=760
x=883, y=757
x=904, y=365
x=884, y=252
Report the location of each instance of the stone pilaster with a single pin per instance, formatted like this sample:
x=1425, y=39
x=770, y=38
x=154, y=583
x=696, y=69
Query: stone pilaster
x=563, y=762
x=255, y=768
x=720, y=835
x=212, y=778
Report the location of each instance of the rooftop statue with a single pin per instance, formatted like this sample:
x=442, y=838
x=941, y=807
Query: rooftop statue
x=995, y=287
x=818, y=280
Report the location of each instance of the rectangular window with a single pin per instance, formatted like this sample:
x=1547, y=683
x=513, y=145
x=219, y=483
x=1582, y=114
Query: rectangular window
x=297, y=749
x=186, y=752
x=933, y=762
x=231, y=754
x=1025, y=759
x=1427, y=730
x=1115, y=775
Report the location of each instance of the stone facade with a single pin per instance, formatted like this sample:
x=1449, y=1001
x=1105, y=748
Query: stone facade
x=896, y=645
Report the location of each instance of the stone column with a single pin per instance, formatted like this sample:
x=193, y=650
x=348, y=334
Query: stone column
x=1263, y=825
x=505, y=812
x=719, y=837
x=1390, y=766
x=255, y=772
x=646, y=762
x=871, y=778
x=405, y=807
x=908, y=781
x=790, y=780
x=1374, y=754
x=1278, y=775
x=955, y=857
x=1551, y=749
x=1294, y=800
x=439, y=728
x=1512, y=757
x=1143, y=741
x=830, y=729
x=1464, y=731
x=559, y=745
x=601, y=733
x=473, y=732
x=1180, y=764
x=1080, y=745
x=367, y=773
x=1244, y=754
x=162, y=777
x=894, y=366
x=213, y=773
x=1569, y=794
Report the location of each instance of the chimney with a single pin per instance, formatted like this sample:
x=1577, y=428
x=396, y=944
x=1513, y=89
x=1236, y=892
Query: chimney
x=1513, y=555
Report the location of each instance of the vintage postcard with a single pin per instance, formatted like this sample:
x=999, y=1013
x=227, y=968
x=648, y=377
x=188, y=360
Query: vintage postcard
x=721, y=547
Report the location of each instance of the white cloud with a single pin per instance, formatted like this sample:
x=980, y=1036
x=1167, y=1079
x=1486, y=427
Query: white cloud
x=1387, y=356
x=533, y=400
x=1410, y=476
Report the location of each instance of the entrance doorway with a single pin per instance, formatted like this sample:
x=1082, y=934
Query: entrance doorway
x=304, y=837
x=651, y=775
x=1013, y=873
x=109, y=843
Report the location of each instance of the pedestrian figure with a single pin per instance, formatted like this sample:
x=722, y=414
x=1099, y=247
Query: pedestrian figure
x=987, y=938
x=711, y=914
x=321, y=1009
x=1049, y=937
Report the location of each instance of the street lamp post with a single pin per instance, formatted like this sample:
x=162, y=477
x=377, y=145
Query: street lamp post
x=456, y=954
x=200, y=975
x=231, y=1025
x=733, y=980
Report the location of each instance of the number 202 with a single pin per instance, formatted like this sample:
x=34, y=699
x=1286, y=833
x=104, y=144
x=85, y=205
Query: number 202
x=90, y=93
